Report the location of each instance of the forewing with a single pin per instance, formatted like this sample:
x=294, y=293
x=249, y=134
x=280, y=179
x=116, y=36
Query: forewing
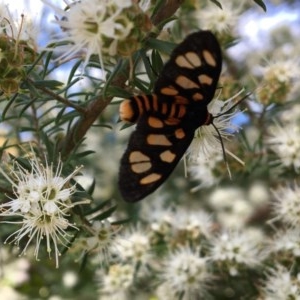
x=193, y=70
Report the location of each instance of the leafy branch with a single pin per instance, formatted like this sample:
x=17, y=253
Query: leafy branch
x=96, y=107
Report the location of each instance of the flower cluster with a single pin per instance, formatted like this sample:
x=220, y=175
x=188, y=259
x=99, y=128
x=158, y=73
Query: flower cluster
x=236, y=250
x=220, y=20
x=284, y=142
x=206, y=150
x=286, y=209
x=41, y=204
x=101, y=240
x=100, y=27
x=277, y=80
x=134, y=246
x=14, y=272
x=185, y=273
x=281, y=283
x=131, y=253
x=116, y=283
x=233, y=207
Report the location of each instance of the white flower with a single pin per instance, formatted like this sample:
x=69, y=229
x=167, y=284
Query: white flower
x=123, y=3
x=10, y=293
x=280, y=284
x=286, y=205
x=279, y=77
x=220, y=20
x=291, y=114
x=18, y=26
x=101, y=241
x=117, y=281
x=281, y=70
x=206, y=148
x=206, y=151
x=161, y=220
x=13, y=272
x=145, y=5
x=202, y=169
x=231, y=213
x=134, y=246
x=93, y=26
x=286, y=241
x=236, y=249
x=39, y=190
x=258, y=194
x=166, y=292
x=206, y=139
x=41, y=203
x=285, y=143
x=186, y=273
x=197, y=223
x=70, y=279
x=221, y=198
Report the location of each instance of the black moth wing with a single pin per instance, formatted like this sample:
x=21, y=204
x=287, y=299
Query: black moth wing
x=167, y=120
x=145, y=167
x=193, y=69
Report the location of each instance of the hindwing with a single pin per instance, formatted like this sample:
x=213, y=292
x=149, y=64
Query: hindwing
x=150, y=157
x=167, y=119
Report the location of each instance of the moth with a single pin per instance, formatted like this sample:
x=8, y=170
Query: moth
x=167, y=119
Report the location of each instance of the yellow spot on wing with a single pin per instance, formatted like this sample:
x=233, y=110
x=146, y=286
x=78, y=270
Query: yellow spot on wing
x=205, y=79
x=193, y=58
x=169, y=91
x=167, y=156
x=197, y=97
x=155, y=122
x=139, y=162
x=141, y=167
x=138, y=156
x=150, y=178
x=181, y=61
x=179, y=133
x=209, y=58
x=158, y=140
x=186, y=83
x=189, y=60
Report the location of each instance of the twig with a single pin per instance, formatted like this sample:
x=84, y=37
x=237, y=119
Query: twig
x=62, y=100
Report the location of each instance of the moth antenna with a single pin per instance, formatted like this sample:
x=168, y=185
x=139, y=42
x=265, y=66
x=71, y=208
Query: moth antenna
x=223, y=150
x=234, y=105
x=218, y=132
